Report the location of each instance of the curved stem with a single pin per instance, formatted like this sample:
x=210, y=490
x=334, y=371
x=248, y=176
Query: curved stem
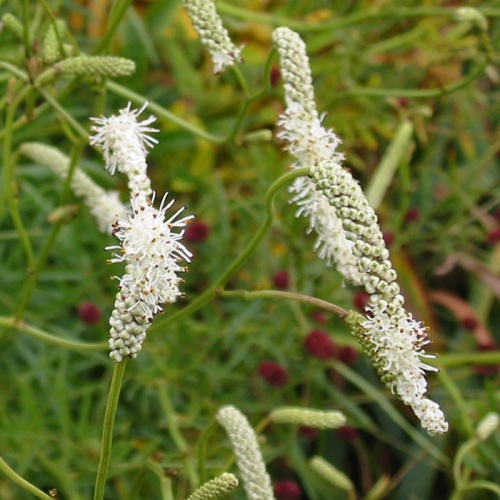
x=107, y=431
x=264, y=294
x=161, y=112
x=51, y=339
x=242, y=258
x=341, y=22
x=16, y=478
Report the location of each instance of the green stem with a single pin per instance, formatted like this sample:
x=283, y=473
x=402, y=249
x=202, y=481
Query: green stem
x=161, y=112
x=384, y=173
x=241, y=259
x=202, y=451
x=107, y=431
x=275, y=294
x=336, y=22
x=175, y=433
x=16, y=478
x=59, y=109
x=466, y=359
x=389, y=409
x=409, y=93
x=117, y=12
x=51, y=339
x=14, y=70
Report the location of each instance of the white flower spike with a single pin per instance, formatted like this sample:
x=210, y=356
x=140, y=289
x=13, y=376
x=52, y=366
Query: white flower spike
x=348, y=233
x=150, y=241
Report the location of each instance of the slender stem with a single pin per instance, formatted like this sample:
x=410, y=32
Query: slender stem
x=466, y=359
x=202, y=451
x=241, y=259
x=161, y=112
x=107, y=431
x=389, y=409
x=14, y=70
x=16, y=478
x=117, y=12
x=59, y=109
x=176, y=434
x=272, y=294
x=51, y=339
x=336, y=22
x=387, y=167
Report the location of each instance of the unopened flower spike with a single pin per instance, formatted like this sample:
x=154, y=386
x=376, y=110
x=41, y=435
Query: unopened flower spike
x=125, y=142
x=96, y=65
x=318, y=419
x=215, y=488
x=310, y=143
x=105, y=206
x=256, y=480
x=389, y=334
x=207, y=22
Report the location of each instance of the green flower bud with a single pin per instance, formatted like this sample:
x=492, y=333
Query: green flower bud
x=331, y=474
x=216, y=488
x=318, y=419
x=96, y=65
x=13, y=24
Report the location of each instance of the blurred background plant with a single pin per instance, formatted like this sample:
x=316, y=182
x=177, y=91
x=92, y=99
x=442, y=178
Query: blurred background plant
x=376, y=66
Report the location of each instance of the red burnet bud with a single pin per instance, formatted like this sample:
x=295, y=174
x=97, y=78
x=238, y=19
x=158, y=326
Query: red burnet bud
x=388, y=237
x=487, y=370
x=320, y=345
x=275, y=76
x=319, y=317
x=347, y=432
x=361, y=300
x=281, y=280
x=89, y=313
x=308, y=432
x=412, y=215
x=197, y=231
x=494, y=236
x=347, y=355
x=469, y=323
x=273, y=373
x=287, y=490
x=403, y=102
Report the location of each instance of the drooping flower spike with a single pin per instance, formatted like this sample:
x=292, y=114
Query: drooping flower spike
x=349, y=234
x=207, y=22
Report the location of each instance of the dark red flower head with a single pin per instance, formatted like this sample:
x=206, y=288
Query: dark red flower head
x=273, y=373
x=287, y=490
x=89, y=313
x=281, y=280
x=320, y=345
x=197, y=232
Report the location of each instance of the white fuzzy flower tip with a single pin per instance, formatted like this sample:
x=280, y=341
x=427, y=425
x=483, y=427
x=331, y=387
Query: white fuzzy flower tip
x=208, y=24
x=152, y=252
x=395, y=344
x=124, y=141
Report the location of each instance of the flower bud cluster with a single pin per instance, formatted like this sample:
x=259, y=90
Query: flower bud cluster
x=150, y=246
x=214, y=36
x=317, y=419
x=256, y=480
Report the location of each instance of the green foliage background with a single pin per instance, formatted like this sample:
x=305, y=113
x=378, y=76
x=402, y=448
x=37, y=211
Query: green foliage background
x=374, y=64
